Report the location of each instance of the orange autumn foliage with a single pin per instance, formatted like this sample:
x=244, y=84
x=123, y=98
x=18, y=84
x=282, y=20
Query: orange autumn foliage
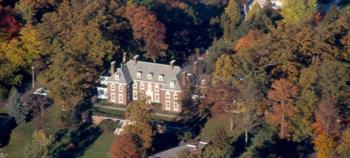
x=281, y=98
x=146, y=27
x=248, y=40
x=124, y=146
x=327, y=118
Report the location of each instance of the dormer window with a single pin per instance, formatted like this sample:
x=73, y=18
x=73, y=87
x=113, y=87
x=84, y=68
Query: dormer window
x=172, y=84
x=161, y=77
x=149, y=76
x=117, y=77
x=203, y=82
x=138, y=75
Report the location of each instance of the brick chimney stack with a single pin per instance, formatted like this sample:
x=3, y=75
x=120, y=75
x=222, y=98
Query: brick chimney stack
x=112, y=68
x=135, y=58
x=172, y=63
x=124, y=57
x=195, y=67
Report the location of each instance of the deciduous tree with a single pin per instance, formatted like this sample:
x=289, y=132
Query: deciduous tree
x=124, y=146
x=146, y=27
x=248, y=40
x=295, y=11
x=76, y=47
x=327, y=118
x=324, y=146
x=140, y=113
x=343, y=149
x=281, y=97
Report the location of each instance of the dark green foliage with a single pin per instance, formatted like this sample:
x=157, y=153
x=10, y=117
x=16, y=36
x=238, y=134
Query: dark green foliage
x=15, y=107
x=262, y=140
x=186, y=136
x=220, y=146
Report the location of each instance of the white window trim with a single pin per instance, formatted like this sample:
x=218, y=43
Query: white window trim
x=156, y=87
x=176, y=106
x=161, y=77
x=172, y=84
x=134, y=95
x=120, y=88
x=149, y=76
x=138, y=74
x=134, y=85
x=156, y=97
x=142, y=85
x=113, y=97
x=175, y=96
x=121, y=98
x=149, y=86
x=112, y=87
x=167, y=105
x=167, y=94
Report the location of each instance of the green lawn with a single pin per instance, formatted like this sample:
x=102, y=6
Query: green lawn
x=20, y=137
x=100, y=148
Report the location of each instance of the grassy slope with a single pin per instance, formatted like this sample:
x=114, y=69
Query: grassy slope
x=100, y=148
x=20, y=137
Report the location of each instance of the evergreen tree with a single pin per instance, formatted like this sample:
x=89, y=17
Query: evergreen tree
x=15, y=107
x=230, y=19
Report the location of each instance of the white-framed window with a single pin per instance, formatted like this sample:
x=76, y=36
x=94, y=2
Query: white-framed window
x=175, y=96
x=167, y=105
x=149, y=86
x=176, y=106
x=161, y=77
x=121, y=99
x=134, y=95
x=120, y=88
x=134, y=85
x=149, y=76
x=113, y=97
x=203, y=82
x=117, y=76
x=172, y=84
x=167, y=94
x=112, y=87
x=142, y=85
x=138, y=74
x=156, y=87
x=156, y=98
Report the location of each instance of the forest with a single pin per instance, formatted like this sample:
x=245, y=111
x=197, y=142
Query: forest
x=279, y=78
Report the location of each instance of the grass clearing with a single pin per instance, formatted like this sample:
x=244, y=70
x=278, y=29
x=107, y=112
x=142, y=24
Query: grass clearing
x=100, y=148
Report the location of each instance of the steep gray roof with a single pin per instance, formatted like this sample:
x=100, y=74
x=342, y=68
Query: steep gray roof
x=170, y=73
x=124, y=76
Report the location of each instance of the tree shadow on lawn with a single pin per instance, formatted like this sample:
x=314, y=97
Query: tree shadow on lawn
x=7, y=124
x=73, y=143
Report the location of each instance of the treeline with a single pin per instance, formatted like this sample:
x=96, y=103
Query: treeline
x=69, y=43
x=282, y=79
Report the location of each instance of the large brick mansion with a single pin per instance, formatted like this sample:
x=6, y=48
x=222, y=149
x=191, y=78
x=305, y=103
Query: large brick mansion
x=160, y=83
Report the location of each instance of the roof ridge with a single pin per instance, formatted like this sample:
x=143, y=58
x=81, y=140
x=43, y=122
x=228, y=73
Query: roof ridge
x=146, y=62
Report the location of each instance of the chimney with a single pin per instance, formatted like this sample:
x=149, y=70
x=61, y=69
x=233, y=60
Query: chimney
x=172, y=64
x=184, y=78
x=112, y=68
x=124, y=57
x=195, y=67
x=135, y=58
